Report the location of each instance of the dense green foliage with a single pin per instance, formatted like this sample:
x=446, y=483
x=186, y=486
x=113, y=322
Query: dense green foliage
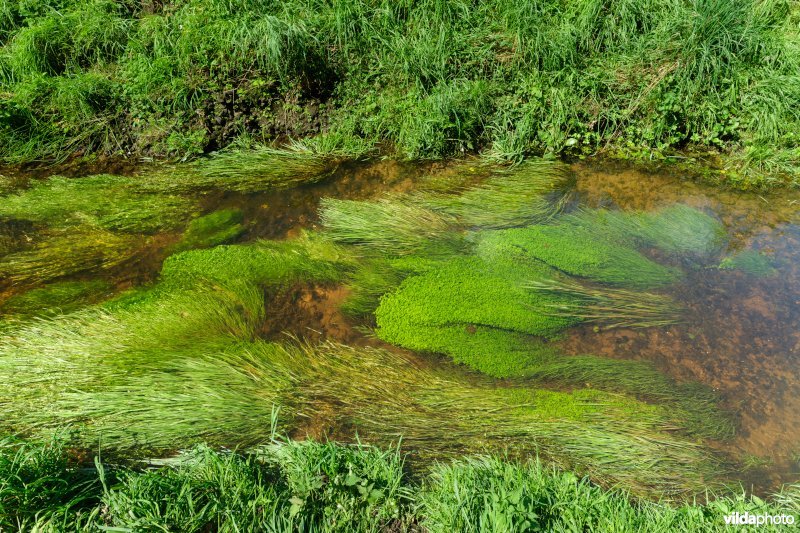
x=430, y=77
x=311, y=486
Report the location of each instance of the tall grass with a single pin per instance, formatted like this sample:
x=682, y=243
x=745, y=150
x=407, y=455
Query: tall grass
x=428, y=79
x=333, y=487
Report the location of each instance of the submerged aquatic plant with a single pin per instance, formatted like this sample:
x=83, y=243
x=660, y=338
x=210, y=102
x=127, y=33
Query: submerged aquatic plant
x=226, y=394
x=70, y=251
x=751, y=262
x=427, y=220
x=56, y=298
x=395, y=226
x=525, y=194
x=677, y=229
x=579, y=253
x=114, y=203
x=612, y=307
x=243, y=170
x=212, y=229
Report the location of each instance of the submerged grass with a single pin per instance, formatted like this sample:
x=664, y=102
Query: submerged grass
x=80, y=249
x=751, y=262
x=114, y=203
x=529, y=193
x=56, y=298
x=244, y=169
x=332, y=487
x=676, y=229
x=614, y=308
x=393, y=226
x=225, y=395
x=180, y=362
x=429, y=220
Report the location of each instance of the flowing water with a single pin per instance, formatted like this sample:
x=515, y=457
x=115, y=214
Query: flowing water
x=739, y=335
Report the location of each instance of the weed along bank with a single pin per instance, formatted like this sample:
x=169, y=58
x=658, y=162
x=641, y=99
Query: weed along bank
x=423, y=266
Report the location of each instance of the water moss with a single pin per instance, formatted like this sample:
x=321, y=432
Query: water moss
x=213, y=229
x=375, y=276
x=272, y=262
x=466, y=292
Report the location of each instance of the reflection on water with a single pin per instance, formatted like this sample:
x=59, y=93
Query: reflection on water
x=740, y=334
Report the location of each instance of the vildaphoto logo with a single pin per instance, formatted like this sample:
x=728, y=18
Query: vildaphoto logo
x=742, y=519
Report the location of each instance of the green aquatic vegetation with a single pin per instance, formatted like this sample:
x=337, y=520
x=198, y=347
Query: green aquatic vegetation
x=114, y=203
x=465, y=291
x=612, y=307
x=677, y=229
x=61, y=253
x=243, y=170
x=429, y=220
x=225, y=395
x=516, y=197
x=310, y=257
x=507, y=354
x=469, y=292
x=375, y=276
x=749, y=261
x=213, y=229
x=394, y=225
x=584, y=254
x=56, y=298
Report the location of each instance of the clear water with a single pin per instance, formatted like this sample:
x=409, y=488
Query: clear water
x=740, y=336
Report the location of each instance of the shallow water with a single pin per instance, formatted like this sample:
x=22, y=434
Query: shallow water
x=740, y=334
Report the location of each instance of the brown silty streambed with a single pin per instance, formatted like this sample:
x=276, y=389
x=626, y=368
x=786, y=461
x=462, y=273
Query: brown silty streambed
x=740, y=332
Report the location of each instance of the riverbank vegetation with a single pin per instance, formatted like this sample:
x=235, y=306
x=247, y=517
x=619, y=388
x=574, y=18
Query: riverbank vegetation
x=285, y=485
x=713, y=80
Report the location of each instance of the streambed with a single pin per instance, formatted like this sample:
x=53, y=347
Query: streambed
x=728, y=320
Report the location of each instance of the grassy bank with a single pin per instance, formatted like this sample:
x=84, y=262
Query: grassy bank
x=419, y=78
x=304, y=486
